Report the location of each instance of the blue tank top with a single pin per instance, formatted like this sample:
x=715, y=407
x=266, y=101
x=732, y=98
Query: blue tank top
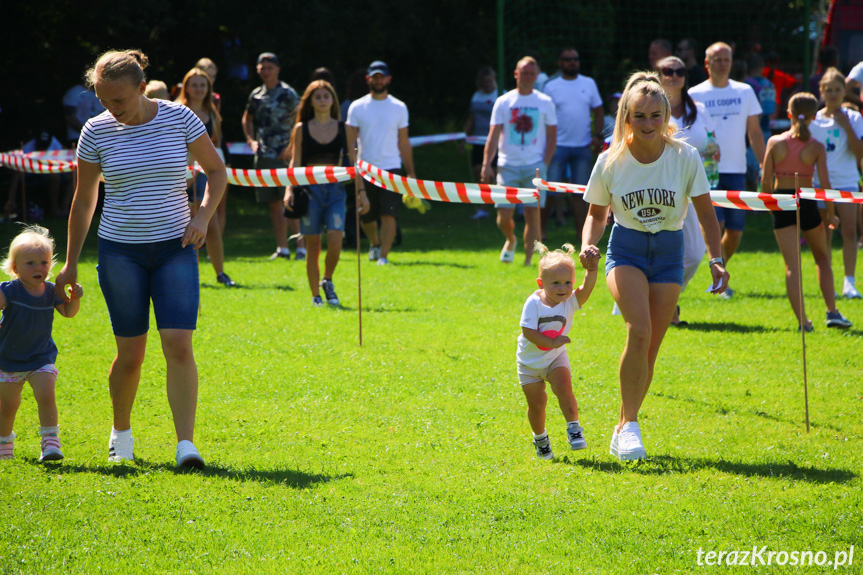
x=25, y=327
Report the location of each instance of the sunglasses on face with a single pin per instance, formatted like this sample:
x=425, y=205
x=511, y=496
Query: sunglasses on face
x=680, y=72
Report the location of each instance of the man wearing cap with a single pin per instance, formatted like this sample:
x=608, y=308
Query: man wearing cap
x=381, y=124
x=575, y=97
x=524, y=134
x=267, y=124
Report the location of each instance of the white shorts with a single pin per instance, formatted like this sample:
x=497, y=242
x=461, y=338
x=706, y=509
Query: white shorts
x=21, y=376
x=528, y=375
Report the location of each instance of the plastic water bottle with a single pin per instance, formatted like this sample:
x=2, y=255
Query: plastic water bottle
x=711, y=166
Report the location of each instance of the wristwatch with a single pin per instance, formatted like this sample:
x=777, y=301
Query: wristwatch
x=718, y=260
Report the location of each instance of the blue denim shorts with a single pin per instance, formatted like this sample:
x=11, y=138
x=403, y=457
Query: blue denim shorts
x=326, y=209
x=130, y=275
x=521, y=177
x=196, y=188
x=578, y=161
x=659, y=256
x=731, y=218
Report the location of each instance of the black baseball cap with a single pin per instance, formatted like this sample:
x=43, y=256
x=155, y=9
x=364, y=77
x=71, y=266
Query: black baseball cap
x=268, y=57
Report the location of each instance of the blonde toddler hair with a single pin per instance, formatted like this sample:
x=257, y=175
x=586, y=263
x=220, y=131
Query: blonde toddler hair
x=32, y=237
x=550, y=259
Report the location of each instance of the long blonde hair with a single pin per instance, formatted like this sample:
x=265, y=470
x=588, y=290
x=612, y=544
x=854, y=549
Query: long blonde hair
x=209, y=102
x=639, y=84
x=32, y=237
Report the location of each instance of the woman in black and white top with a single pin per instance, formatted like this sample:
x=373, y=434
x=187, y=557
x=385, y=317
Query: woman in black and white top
x=146, y=236
x=648, y=178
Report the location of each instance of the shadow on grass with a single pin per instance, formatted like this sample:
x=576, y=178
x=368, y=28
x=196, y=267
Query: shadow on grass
x=435, y=264
x=725, y=327
x=293, y=478
x=669, y=464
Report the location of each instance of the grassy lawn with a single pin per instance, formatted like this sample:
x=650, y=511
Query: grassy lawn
x=412, y=453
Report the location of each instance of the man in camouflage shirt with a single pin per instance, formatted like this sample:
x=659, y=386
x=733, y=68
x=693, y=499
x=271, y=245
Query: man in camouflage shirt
x=267, y=123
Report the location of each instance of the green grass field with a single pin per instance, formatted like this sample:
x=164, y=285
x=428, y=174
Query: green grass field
x=412, y=453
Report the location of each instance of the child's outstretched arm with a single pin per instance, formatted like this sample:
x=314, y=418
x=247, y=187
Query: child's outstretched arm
x=582, y=292
x=71, y=307
x=536, y=338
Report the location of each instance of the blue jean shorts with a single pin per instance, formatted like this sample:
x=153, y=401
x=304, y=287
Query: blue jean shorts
x=196, y=188
x=659, y=256
x=130, y=275
x=326, y=209
x=731, y=218
x=521, y=177
x=577, y=160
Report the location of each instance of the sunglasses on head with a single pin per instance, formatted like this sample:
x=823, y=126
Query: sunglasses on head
x=680, y=72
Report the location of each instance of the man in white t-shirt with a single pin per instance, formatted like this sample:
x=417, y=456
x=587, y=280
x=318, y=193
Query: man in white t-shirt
x=575, y=97
x=524, y=134
x=381, y=124
x=736, y=112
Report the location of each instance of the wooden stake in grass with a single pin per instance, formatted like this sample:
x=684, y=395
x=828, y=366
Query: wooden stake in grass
x=359, y=255
x=800, y=288
x=194, y=211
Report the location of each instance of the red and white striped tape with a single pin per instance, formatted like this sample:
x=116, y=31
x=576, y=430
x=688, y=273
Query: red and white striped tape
x=25, y=164
x=753, y=201
x=831, y=195
x=445, y=191
x=59, y=155
x=284, y=176
x=558, y=187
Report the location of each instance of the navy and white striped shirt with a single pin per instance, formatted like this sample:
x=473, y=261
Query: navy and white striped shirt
x=145, y=172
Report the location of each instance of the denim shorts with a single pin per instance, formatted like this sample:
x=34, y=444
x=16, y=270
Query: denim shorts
x=200, y=182
x=326, y=209
x=130, y=275
x=521, y=177
x=732, y=218
x=578, y=160
x=659, y=256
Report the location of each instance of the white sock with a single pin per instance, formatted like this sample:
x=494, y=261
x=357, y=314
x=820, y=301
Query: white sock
x=52, y=430
x=124, y=433
x=8, y=438
x=571, y=423
x=543, y=435
x=849, y=280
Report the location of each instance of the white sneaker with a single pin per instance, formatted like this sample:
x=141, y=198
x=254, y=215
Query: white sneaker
x=188, y=457
x=374, y=253
x=383, y=262
x=575, y=434
x=120, y=447
x=629, y=445
x=612, y=450
x=849, y=290
x=508, y=256
x=480, y=214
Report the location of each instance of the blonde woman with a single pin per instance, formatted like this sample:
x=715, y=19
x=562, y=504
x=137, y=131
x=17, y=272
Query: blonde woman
x=197, y=95
x=648, y=178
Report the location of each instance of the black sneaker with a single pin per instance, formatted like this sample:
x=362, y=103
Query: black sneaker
x=835, y=319
x=330, y=292
x=223, y=278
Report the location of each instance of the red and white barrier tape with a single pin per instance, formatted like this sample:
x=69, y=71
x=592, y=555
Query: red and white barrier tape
x=558, y=187
x=753, y=201
x=292, y=176
x=831, y=195
x=445, y=191
x=27, y=165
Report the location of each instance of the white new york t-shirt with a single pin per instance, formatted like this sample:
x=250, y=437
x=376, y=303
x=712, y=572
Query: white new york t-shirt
x=841, y=163
x=551, y=321
x=573, y=101
x=730, y=107
x=524, y=118
x=649, y=197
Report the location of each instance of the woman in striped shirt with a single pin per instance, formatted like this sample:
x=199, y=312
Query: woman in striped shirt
x=146, y=236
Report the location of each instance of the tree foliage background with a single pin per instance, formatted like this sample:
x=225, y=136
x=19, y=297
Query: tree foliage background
x=434, y=48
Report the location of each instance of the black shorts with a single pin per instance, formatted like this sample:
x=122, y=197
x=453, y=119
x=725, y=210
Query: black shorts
x=381, y=202
x=810, y=217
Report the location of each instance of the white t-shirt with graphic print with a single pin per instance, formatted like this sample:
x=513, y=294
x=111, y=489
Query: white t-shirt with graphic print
x=551, y=321
x=649, y=197
x=524, y=118
x=841, y=163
